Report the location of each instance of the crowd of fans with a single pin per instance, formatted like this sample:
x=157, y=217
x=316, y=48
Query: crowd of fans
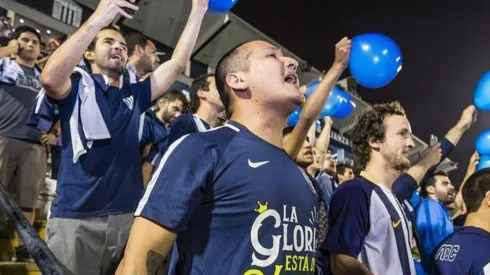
x=151, y=181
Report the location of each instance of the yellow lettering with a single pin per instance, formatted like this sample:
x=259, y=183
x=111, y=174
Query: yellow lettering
x=305, y=264
x=313, y=264
x=295, y=264
x=253, y=272
x=288, y=268
x=301, y=258
x=278, y=270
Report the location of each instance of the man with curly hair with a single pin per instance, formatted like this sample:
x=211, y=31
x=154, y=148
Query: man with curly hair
x=369, y=230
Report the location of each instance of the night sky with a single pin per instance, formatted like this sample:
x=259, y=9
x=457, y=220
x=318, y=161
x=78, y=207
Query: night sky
x=445, y=47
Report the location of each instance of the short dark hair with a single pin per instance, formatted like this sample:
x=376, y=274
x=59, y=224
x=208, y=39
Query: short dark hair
x=172, y=96
x=370, y=127
x=133, y=39
x=475, y=189
x=431, y=181
x=230, y=62
x=91, y=47
x=22, y=29
x=342, y=167
x=200, y=83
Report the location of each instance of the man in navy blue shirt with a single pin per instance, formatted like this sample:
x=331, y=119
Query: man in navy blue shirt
x=154, y=140
x=142, y=55
x=205, y=104
x=467, y=250
x=100, y=181
x=234, y=198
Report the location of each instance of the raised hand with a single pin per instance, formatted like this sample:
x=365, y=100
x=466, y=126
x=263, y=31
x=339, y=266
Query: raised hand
x=14, y=46
x=200, y=5
x=431, y=156
x=107, y=10
x=342, y=52
x=468, y=117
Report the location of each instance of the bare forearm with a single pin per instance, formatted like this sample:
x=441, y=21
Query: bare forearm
x=317, y=100
x=323, y=141
x=187, y=41
x=455, y=133
x=312, y=109
x=147, y=170
x=418, y=172
x=59, y=67
x=168, y=72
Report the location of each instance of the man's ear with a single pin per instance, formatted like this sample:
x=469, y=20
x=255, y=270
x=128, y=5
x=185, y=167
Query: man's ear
x=236, y=81
x=375, y=144
x=201, y=94
x=89, y=55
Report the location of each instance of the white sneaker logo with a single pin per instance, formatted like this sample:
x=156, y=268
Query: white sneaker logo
x=256, y=164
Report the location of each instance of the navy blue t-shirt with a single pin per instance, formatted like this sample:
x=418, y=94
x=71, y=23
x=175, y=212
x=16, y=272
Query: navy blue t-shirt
x=107, y=180
x=240, y=205
x=183, y=125
x=466, y=251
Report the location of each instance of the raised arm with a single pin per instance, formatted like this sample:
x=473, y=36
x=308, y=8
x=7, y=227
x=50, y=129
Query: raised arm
x=321, y=144
x=55, y=77
x=10, y=49
x=163, y=77
x=408, y=182
x=468, y=117
x=315, y=103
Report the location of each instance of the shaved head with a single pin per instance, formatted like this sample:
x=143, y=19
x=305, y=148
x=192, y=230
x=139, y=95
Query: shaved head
x=233, y=61
x=254, y=75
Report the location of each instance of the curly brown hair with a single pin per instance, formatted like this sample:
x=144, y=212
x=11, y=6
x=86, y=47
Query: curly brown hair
x=370, y=127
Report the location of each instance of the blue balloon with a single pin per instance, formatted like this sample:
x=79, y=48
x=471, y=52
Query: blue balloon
x=375, y=60
x=345, y=105
x=339, y=103
x=482, y=143
x=221, y=6
x=481, y=98
x=484, y=162
x=294, y=117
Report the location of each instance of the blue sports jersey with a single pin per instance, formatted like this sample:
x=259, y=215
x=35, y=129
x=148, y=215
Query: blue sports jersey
x=415, y=199
x=240, y=205
x=466, y=251
x=433, y=225
x=107, y=180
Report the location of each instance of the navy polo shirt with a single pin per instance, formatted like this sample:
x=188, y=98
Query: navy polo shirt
x=183, y=125
x=154, y=131
x=240, y=205
x=107, y=180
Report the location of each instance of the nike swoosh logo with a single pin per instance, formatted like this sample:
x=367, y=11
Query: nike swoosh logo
x=256, y=164
x=396, y=224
